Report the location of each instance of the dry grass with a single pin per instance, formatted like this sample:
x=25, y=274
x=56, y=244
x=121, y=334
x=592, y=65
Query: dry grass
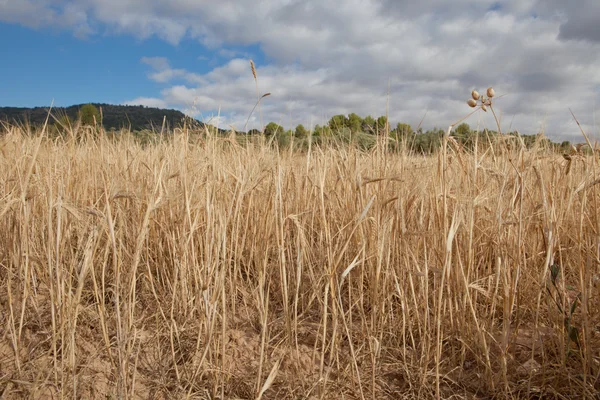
x=212, y=270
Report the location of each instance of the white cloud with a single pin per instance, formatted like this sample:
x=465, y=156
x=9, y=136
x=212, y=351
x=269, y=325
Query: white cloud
x=229, y=53
x=158, y=63
x=326, y=57
x=578, y=21
x=163, y=73
x=46, y=13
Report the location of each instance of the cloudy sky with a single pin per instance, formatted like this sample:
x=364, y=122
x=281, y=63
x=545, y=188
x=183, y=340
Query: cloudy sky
x=317, y=58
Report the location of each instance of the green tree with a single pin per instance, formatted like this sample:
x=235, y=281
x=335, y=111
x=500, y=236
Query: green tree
x=382, y=125
x=355, y=123
x=89, y=115
x=401, y=132
x=283, y=138
x=321, y=131
x=403, y=129
x=300, y=131
x=463, y=130
x=272, y=129
x=368, y=124
x=318, y=131
x=338, y=122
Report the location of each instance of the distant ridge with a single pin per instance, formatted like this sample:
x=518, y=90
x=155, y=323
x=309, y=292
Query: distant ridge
x=116, y=117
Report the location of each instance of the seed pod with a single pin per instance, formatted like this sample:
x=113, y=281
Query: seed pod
x=491, y=92
x=472, y=103
x=475, y=95
x=483, y=107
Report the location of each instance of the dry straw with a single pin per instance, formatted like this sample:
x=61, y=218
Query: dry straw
x=222, y=262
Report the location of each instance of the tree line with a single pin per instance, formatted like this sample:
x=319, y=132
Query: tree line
x=351, y=127
x=424, y=141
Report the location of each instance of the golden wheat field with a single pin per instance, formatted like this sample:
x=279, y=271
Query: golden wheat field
x=207, y=269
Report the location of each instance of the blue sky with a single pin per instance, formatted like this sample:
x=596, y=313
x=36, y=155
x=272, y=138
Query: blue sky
x=48, y=65
x=317, y=58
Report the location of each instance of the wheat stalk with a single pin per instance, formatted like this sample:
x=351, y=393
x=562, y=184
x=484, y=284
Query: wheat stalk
x=258, y=97
x=136, y=270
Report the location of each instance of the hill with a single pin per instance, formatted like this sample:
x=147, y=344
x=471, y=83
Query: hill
x=113, y=116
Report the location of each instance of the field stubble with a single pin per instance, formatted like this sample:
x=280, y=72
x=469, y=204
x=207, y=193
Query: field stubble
x=215, y=270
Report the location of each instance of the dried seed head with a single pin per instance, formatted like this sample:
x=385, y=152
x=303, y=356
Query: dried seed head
x=253, y=68
x=475, y=95
x=472, y=103
x=487, y=102
x=491, y=92
x=483, y=107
